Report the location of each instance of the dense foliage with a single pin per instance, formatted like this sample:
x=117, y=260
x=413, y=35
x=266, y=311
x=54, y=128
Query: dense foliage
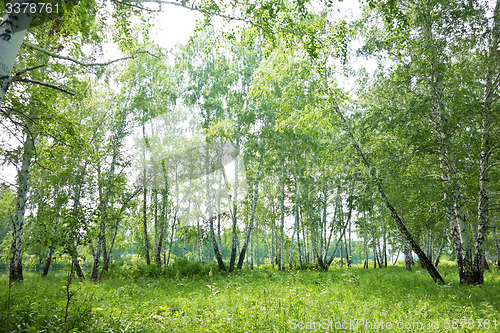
x=284, y=133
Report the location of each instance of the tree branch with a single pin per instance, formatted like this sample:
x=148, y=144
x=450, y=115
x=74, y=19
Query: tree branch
x=492, y=165
x=44, y=84
x=85, y=64
x=192, y=7
x=21, y=72
x=29, y=69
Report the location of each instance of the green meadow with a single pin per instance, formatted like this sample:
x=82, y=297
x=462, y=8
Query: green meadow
x=188, y=297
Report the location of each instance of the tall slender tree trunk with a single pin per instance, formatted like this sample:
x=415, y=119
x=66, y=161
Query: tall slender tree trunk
x=145, y=225
x=440, y=249
x=269, y=251
x=296, y=224
x=306, y=248
x=332, y=224
x=161, y=226
x=341, y=253
x=349, y=231
x=384, y=242
x=252, y=216
x=495, y=239
x=374, y=240
x=176, y=212
x=273, y=243
x=297, y=221
x=74, y=239
x=234, y=233
x=347, y=254
x=50, y=253
x=16, y=250
x=486, y=148
x=105, y=198
x=252, y=239
x=365, y=241
x=154, y=195
x=210, y=213
x=172, y=239
x=407, y=254
x=198, y=241
x=219, y=197
x=281, y=266
x=188, y=216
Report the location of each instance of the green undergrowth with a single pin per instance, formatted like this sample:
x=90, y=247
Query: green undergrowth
x=202, y=299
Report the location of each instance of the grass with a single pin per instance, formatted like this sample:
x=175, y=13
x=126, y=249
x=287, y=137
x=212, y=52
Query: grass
x=260, y=300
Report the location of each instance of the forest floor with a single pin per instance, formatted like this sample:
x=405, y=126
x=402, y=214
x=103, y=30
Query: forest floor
x=261, y=300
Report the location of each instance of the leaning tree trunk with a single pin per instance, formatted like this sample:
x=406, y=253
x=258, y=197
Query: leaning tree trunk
x=16, y=251
x=399, y=223
x=252, y=217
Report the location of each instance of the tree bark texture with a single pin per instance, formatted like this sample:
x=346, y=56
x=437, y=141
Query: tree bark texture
x=23, y=175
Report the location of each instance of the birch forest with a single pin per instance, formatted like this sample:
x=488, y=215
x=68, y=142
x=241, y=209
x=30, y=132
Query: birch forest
x=277, y=166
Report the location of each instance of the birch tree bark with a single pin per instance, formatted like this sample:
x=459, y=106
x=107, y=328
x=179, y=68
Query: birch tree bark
x=365, y=241
x=295, y=226
x=209, y=208
x=399, y=223
x=104, y=200
x=163, y=216
x=13, y=29
x=23, y=175
x=234, y=234
x=490, y=88
x=495, y=239
x=176, y=212
x=252, y=216
x=281, y=264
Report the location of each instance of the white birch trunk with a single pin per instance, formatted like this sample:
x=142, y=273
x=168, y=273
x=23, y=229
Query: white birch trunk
x=252, y=216
x=281, y=266
x=484, y=192
x=16, y=252
x=234, y=234
x=13, y=29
